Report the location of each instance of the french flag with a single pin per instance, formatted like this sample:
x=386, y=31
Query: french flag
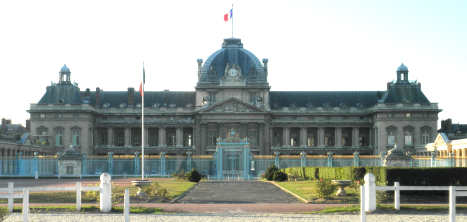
x=226, y=16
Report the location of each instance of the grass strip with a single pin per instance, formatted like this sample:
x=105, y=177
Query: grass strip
x=383, y=208
x=86, y=209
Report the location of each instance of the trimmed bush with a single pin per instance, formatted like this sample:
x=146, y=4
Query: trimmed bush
x=193, y=176
x=270, y=172
x=325, y=188
x=279, y=176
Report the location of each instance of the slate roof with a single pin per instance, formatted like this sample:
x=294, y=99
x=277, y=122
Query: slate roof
x=455, y=128
x=397, y=94
x=115, y=98
x=318, y=98
x=17, y=128
x=67, y=92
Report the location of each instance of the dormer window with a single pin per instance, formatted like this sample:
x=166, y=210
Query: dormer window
x=106, y=105
x=172, y=105
x=156, y=105
x=138, y=105
x=121, y=105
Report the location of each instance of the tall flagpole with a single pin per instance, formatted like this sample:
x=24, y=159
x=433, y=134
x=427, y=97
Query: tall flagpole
x=142, y=126
x=231, y=13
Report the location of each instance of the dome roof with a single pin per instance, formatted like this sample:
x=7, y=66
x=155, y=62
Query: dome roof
x=65, y=69
x=402, y=68
x=232, y=52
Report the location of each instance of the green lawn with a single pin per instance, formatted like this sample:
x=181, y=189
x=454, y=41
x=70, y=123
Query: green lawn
x=306, y=190
x=174, y=189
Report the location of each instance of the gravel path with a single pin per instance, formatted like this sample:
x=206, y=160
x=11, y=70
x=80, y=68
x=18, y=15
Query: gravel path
x=235, y=217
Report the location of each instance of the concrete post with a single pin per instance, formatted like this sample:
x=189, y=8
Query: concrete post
x=433, y=159
x=303, y=159
x=397, y=196
x=162, y=163
x=105, y=193
x=452, y=203
x=276, y=159
x=188, y=161
x=110, y=162
x=356, y=158
x=330, y=159
x=136, y=163
x=126, y=209
x=362, y=204
x=370, y=192
x=78, y=196
x=25, y=205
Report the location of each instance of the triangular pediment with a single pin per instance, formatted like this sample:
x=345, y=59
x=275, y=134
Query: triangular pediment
x=441, y=140
x=232, y=105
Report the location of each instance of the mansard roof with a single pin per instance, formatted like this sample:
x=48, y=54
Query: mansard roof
x=397, y=94
x=115, y=98
x=68, y=93
x=319, y=98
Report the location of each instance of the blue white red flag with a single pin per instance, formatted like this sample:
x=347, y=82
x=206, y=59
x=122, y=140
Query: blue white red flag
x=227, y=17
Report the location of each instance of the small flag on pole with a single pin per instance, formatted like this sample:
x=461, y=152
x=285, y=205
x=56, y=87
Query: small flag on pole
x=226, y=16
x=141, y=89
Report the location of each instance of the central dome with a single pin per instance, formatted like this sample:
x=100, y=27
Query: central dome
x=232, y=53
x=65, y=69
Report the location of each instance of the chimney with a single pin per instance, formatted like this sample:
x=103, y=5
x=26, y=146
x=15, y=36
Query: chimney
x=28, y=125
x=449, y=125
x=3, y=125
x=8, y=121
x=131, y=97
x=420, y=86
x=98, y=96
x=388, y=86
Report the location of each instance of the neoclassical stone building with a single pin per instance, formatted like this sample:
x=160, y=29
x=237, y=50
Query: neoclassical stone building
x=233, y=93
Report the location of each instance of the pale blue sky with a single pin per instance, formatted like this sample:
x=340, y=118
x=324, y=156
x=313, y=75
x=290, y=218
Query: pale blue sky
x=311, y=45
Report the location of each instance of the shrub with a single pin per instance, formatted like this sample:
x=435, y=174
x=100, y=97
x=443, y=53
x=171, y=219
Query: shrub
x=325, y=188
x=118, y=193
x=3, y=213
x=270, y=172
x=193, y=176
x=180, y=176
x=154, y=190
x=279, y=176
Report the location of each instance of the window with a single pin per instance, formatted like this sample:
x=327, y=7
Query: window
x=58, y=115
x=188, y=140
x=407, y=115
x=137, y=140
x=391, y=138
x=345, y=139
x=75, y=115
x=69, y=170
x=212, y=138
x=58, y=138
x=327, y=140
x=253, y=135
x=293, y=139
x=311, y=139
x=138, y=117
x=425, y=137
x=120, y=139
x=361, y=140
x=277, y=139
x=362, y=117
x=42, y=115
x=103, y=139
x=212, y=97
x=103, y=118
x=252, y=97
x=75, y=138
x=408, y=137
x=390, y=115
x=170, y=139
x=154, y=139
x=43, y=139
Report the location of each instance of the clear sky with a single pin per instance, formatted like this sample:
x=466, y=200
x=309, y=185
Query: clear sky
x=311, y=45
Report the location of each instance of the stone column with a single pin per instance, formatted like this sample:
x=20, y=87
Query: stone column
x=271, y=136
x=370, y=137
x=110, y=133
x=162, y=139
x=463, y=151
x=320, y=137
x=96, y=143
x=286, y=136
x=338, y=137
x=193, y=138
x=303, y=137
x=178, y=137
x=355, y=137
x=146, y=137
x=266, y=139
x=261, y=138
x=127, y=136
x=204, y=138
x=376, y=139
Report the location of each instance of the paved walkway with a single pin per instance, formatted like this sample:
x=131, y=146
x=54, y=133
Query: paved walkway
x=238, y=192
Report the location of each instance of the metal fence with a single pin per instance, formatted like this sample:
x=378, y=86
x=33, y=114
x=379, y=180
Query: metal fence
x=164, y=165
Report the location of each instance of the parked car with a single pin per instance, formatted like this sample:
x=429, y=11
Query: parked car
x=98, y=172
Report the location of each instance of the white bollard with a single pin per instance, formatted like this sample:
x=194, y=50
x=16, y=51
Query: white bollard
x=362, y=204
x=126, y=209
x=397, y=196
x=10, y=199
x=452, y=203
x=124, y=175
x=78, y=196
x=370, y=192
x=25, y=205
x=105, y=193
x=36, y=175
x=228, y=177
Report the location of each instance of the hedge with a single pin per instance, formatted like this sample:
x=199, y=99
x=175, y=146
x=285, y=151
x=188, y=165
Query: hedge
x=420, y=176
